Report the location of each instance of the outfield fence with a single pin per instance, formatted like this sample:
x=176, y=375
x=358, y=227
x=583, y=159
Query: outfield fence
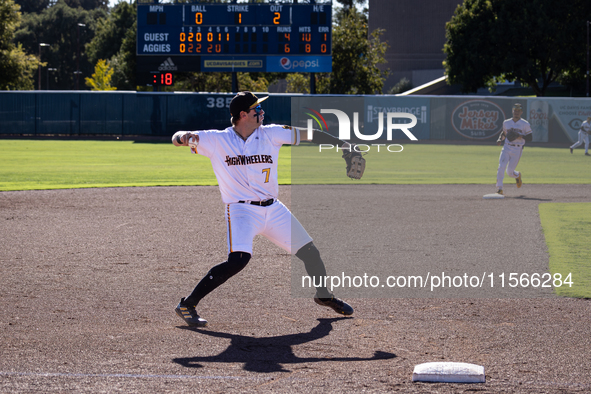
x=160, y=114
x=120, y=113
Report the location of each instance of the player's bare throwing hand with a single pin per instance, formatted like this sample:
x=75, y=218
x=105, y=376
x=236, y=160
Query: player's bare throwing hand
x=244, y=159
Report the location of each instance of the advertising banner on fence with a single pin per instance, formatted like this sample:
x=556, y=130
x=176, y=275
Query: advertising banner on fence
x=565, y=115
x=471, y=118
x=537, y=115
x=419, y=107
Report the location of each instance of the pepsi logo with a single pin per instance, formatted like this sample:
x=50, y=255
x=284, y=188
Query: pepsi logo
x=285, y=63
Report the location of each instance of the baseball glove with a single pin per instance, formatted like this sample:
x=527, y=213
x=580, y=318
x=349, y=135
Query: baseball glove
x=355, y=163
x=512, y=135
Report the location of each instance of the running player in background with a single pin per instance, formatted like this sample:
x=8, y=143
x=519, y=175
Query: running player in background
x=516, y=132
x=583, y=136
x=244, y=158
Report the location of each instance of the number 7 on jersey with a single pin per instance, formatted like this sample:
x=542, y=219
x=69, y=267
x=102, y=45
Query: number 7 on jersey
x=266, y=171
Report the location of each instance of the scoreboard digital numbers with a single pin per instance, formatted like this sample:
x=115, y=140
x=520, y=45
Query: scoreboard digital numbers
x=162, y=79
x=235, y=37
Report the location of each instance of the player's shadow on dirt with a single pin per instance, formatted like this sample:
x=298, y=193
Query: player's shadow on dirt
x=268, y=354
x=531, y=198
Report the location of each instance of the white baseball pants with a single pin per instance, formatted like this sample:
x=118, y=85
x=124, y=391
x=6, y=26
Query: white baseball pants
x=275, y=222
x=583, y=137
x=508, y=160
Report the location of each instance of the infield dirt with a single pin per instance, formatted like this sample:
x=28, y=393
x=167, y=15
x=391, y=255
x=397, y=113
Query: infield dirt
x=90, y=278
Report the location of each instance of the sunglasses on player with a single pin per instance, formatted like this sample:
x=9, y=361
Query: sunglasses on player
x=257, y=109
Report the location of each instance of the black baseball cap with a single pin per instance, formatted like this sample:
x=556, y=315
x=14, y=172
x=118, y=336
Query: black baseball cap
x=244, y=101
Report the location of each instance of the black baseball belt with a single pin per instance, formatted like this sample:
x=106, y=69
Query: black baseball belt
x=264, y=203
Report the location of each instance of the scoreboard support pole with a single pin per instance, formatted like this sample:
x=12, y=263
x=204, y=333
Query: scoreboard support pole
x=312, y=83
x=234, y=82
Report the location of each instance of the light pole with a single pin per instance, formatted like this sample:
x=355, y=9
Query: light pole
x=77, y=73
x=78, y=54
x=41, y=44
x=48, y=70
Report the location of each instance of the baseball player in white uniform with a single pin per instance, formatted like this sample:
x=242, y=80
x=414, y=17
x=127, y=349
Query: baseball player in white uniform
x=244, y=158
x=583, y=136
x=516, y=132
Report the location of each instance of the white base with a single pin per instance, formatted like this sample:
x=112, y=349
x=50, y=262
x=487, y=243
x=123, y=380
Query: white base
x=448, y=372
x=493, y=196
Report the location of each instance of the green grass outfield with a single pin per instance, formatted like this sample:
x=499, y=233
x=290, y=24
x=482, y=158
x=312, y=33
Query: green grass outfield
x=51, y=164
x=28, y=164
x=434, y=164
x=566, y=229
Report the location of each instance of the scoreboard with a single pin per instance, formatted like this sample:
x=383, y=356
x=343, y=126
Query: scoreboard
x=235, y=37
x=234, y=29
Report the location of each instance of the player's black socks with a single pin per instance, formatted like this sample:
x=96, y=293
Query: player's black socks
x=310, y=255
x=218, y=275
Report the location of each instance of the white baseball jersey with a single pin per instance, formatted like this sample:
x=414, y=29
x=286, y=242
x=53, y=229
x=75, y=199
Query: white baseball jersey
x=246, y=170
x=583, y=137
x=512, y=150
x=521, y=126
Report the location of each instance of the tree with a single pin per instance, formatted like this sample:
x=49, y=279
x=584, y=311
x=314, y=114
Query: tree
x=9, y=19
x=349, y=4
x=110, y=32
x=35, y=6
x=221, y=82
x=88, y=5
x=101, y=79
x=254, y=82
x=354, y=58
x=124, y=62
x=402, y=86
x=115, y=40
x=58, y=27
x=535, y=42
x=204, y=82
x=297, y=83
x=16, y=67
